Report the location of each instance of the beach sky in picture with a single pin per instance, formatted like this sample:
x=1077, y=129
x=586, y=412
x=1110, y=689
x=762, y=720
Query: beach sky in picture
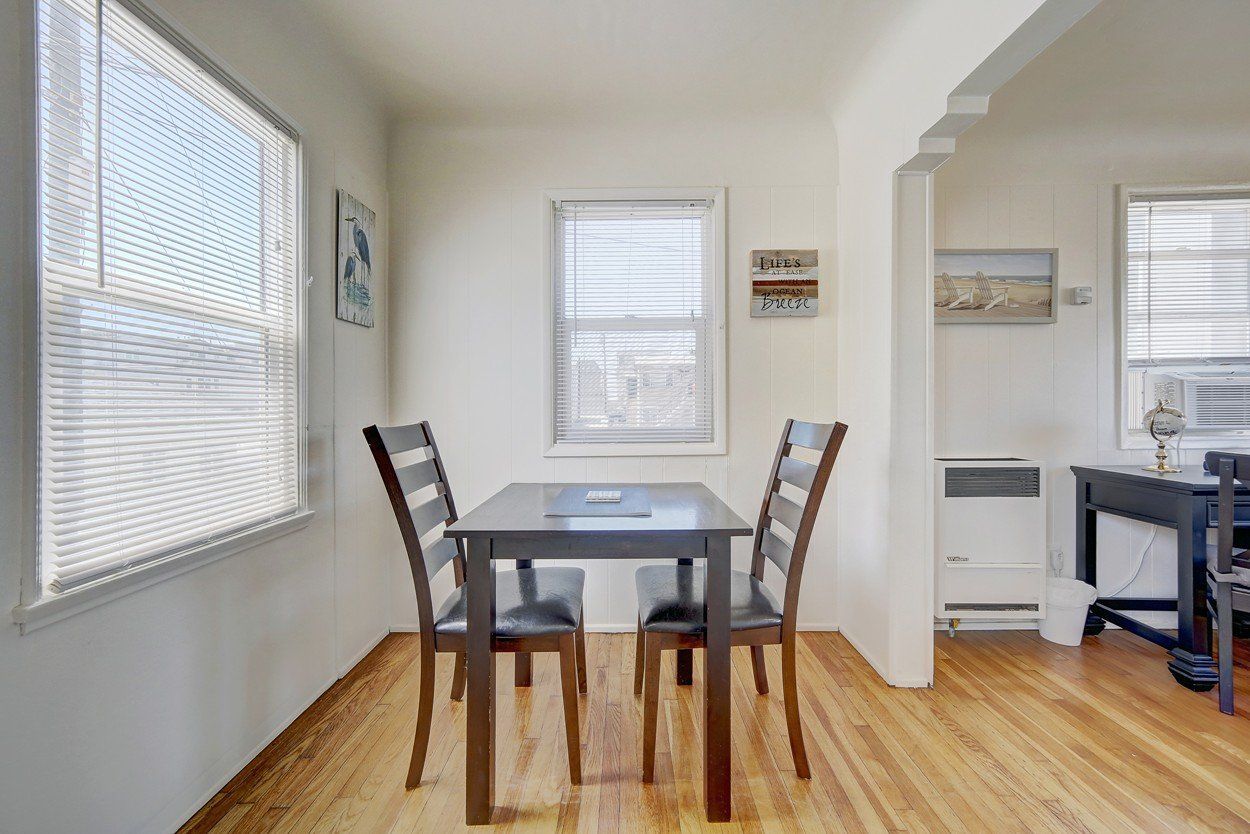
x=1026, y=267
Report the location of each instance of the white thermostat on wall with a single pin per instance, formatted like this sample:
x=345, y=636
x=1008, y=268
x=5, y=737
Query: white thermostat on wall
x=1082, y=295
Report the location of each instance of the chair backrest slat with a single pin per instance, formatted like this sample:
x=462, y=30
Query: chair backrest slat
x=786, y=511
x=1231, y=468
x=798, y=516
x=810, y=435
x=415, y=523
x=417, y=476
x=777, y=551
x=797, y=472
x=427, y=516
x=399, y=439
x=437, y=555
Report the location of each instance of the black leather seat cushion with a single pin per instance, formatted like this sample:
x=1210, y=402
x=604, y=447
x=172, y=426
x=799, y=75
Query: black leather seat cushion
x=670, y=599
x=532, y=602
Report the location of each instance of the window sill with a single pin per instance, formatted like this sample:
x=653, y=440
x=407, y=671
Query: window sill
x=632, y=450
x=1203, y=443
x=51, y=609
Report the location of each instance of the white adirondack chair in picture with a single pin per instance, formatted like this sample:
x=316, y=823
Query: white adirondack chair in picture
x=953, y=297
x=990, y=297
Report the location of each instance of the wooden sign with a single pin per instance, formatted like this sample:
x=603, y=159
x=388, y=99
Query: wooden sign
x=785, y=282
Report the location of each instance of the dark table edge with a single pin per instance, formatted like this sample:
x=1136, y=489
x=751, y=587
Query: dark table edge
x=1134, y=478
x=453, y=533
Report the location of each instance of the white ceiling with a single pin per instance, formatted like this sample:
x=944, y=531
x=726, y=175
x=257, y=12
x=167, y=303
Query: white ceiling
x=527, y=61
x=1124, y=88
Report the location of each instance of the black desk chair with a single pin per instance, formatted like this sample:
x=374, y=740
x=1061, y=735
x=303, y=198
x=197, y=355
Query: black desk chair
x=1228, y=569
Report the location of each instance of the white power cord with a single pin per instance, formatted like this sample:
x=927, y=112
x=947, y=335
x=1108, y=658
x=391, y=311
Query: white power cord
x=1141, y=561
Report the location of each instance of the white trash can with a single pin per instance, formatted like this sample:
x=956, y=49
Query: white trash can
x=1067, y=603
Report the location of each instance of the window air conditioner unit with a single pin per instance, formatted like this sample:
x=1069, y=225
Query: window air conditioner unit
x=1211, y=399
x=991, y=539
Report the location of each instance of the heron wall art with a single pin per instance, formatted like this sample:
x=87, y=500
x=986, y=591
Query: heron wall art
x=355, y=265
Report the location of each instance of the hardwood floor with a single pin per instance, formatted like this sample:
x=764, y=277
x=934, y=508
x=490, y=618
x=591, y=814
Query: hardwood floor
x=1017, y=735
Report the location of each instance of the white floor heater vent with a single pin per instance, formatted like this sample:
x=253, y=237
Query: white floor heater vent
x=991, y=539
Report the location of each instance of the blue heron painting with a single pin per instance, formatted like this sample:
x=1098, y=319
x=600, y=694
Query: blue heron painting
x=355, y=263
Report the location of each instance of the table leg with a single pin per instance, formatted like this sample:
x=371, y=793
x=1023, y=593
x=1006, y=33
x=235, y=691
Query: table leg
x=479, y=793
x=1087, y=549
x=716, y=681
x=1192, y=664
x=522, y=674
x=685, y=657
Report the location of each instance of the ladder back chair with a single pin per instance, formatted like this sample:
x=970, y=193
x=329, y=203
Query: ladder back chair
x=670, y=598
x=1228, y=568
x=537, y=609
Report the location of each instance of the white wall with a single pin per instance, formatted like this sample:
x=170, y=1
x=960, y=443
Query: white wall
x=1110, y=103
x=883, y=104
x=125, y=717
x=467, y=298
x=1046, y=391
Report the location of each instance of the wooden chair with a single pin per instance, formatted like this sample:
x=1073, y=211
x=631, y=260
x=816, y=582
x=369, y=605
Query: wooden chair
x=536, y=609
x=1228, y=570
x=990, y=297
x=670, y=598
x=953, y=297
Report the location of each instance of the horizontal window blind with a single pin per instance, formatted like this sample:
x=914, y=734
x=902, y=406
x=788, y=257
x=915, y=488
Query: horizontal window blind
x=634, y=323
x=1187, y=291
x=169, y=403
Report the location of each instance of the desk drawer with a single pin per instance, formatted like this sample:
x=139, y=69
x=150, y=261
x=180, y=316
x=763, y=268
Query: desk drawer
x=1241, y=512
x=1136, y=503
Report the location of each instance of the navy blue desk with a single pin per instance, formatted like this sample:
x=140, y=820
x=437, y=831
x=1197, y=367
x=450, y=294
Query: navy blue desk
x=1185, y=501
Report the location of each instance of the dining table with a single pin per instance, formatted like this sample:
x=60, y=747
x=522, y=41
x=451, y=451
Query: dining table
x=687, y=522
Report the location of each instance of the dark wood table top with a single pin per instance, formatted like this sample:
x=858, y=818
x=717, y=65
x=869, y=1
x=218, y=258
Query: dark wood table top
x=1191, y=478
x=517, y=511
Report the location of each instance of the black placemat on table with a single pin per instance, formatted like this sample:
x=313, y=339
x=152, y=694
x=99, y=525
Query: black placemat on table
x=571, y=501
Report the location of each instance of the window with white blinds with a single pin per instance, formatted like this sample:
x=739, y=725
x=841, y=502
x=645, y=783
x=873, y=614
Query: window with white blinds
x=636, y=324
x=169, y=301
x=1187, y=280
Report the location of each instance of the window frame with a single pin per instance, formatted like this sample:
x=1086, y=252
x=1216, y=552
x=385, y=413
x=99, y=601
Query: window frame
x=717, y=446
x=1128, y=429
x=36, y=608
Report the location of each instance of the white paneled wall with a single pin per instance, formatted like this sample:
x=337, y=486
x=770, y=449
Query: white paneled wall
x=468, y=294
x=1045, y=391
x=362, y=513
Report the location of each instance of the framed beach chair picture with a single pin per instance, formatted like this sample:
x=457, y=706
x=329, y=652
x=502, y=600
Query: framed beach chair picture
x=994, y=286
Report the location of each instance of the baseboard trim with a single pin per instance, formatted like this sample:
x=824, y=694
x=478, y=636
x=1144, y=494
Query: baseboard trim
x=912, y=683
x=360, y=655
x=1162, y=620
x=991, y=625
x=872, y=661
x=160, y=822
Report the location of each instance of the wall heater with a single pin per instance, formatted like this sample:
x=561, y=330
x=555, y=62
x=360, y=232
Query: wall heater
x=991, y=539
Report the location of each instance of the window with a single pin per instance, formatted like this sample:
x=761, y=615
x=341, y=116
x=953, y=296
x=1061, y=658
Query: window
x=638, y=339
x=1186, y=307
x=169, y=302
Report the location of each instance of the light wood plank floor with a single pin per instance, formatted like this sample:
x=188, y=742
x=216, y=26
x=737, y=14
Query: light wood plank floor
x=1017, y=736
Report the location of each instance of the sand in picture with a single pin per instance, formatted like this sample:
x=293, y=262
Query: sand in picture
x=1024, y=300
